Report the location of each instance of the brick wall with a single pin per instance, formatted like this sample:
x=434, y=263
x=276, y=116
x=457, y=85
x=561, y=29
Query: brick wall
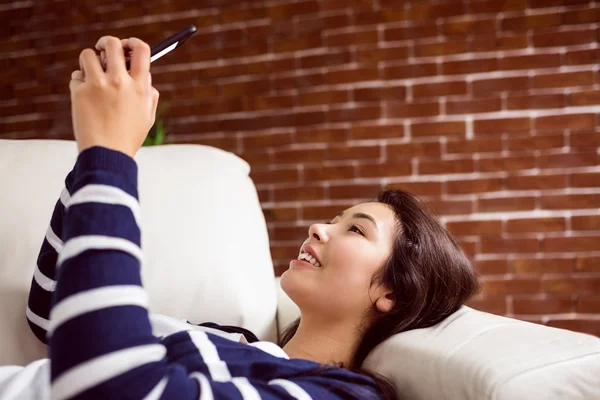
x=486, y=109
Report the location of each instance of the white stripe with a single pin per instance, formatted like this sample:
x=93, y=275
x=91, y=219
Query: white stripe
x=158, y=390
x=45, y=283
x=96, y=299
x=36, y=319
x=292, y=388
x=217, y=368
x=246, y=389
x=79, y=244
x=108, y=195
x=54, y=240
x=100, y=369
x=205, y=389
x=64, y=197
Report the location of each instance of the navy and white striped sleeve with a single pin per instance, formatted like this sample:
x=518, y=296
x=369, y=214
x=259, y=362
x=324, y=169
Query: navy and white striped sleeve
x=100, y=337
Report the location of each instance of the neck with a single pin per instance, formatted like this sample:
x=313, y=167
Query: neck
x=325, y=343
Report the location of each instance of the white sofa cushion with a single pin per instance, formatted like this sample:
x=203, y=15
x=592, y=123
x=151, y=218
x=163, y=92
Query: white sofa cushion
x=473, y=355
x=204, y=236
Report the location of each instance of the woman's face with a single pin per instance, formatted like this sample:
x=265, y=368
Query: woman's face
x=347, y=252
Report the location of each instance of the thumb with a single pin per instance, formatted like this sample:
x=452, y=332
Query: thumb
x=76, y=80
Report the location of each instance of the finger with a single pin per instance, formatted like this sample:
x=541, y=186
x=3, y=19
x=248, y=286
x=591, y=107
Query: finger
x=155, y=97
x=76, y=80
x=115, y=59
x=140, y=59
x=90, y=66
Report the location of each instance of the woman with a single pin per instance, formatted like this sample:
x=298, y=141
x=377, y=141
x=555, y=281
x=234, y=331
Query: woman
x=376, y=269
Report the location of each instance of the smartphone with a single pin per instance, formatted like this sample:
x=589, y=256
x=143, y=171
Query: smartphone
x=170, y=44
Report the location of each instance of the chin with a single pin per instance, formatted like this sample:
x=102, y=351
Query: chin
x=295, y=286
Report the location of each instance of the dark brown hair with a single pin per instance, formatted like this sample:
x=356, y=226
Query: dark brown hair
x=428, y=272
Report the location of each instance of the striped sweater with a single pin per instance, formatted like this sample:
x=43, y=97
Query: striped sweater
x=87, y=302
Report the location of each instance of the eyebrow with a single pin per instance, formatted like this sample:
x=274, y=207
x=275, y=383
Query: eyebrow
x=361, y=215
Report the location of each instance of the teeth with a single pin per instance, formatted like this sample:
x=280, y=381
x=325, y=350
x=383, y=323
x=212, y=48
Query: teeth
x=309, y=258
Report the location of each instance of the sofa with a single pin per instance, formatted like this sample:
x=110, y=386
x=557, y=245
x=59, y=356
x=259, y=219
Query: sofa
x=207, y=258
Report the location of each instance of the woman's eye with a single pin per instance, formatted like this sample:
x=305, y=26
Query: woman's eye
x=354, y=228
x=327, y=222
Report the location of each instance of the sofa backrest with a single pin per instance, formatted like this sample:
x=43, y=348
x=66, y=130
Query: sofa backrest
x=204, y=236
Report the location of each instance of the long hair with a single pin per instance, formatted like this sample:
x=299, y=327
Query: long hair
x=428, y=272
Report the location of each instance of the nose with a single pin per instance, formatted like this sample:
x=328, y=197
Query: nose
x=318, y=232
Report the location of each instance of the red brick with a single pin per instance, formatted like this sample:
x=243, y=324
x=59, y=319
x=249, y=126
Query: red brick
x=473, y=106
x=412, y=70
x=534, y=61
x=373, y=17
x=331, y=58
x=359, y=113
x=450, y=207
x=321, y=135
x=285, y=12
x=421, y=189
x=322, y=97
x=492, y=267
x=536, y=182
x=327, y=173
x=243, y=88
x=296, y=44
x=540, y=142
x=589, y=326
x=453, y=128
x=475, y=186
x=585, y=98
x=571, y=285
x=345, y=152
x=538, y=266
x=311, y=25
x=535, y=21
x=506, y=204
x=431, y=11
x=587, y=264
x=281, y=214
x=384, y=169
x=496, y=244
x=510, y=84
x=351, y=38
x=511, y=286
x=284, y=252
x=235, y=51
x=258, y=141
x=395, y=109
x=569, y=160
x=267, y=102
x=469, y=66
x=356, y=191
x=257, y=158
x=469, y=246
x=495, y=6
x=446, y=167
x=570, y=201
x=536, y=225
x=466, y=228
x=553, y=305
x=312, y=213
x=413, y=31
x=375, y=55
x=228, y=16
x=577, y=57
x=299, y=193
x=591, y=179
x=379, y=93
x=474, y=146
x=413, y=149
x=586, y=223
x=502, y=43
x=297, y=119
x=441, y=48
x=440, y=89
x=359, y=132
x=585, y=140
x=490, y=304
x=292, y=233
x=563, y=38
x=299, y=156
x=565, y=79
x=469, y=25
x=588, y=304
x=487, y=126
x=506, y=164
x=554, y=3
x=537, y=101
x=301, y=80
x=351, y=75
x=582, y=16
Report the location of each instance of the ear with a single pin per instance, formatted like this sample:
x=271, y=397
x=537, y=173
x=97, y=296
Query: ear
x=386, y=302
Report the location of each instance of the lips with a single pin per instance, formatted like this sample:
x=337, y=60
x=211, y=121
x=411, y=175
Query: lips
x=311, y=251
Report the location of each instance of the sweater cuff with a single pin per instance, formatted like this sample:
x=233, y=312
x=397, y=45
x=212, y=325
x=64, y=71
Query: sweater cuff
x=108, y=160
